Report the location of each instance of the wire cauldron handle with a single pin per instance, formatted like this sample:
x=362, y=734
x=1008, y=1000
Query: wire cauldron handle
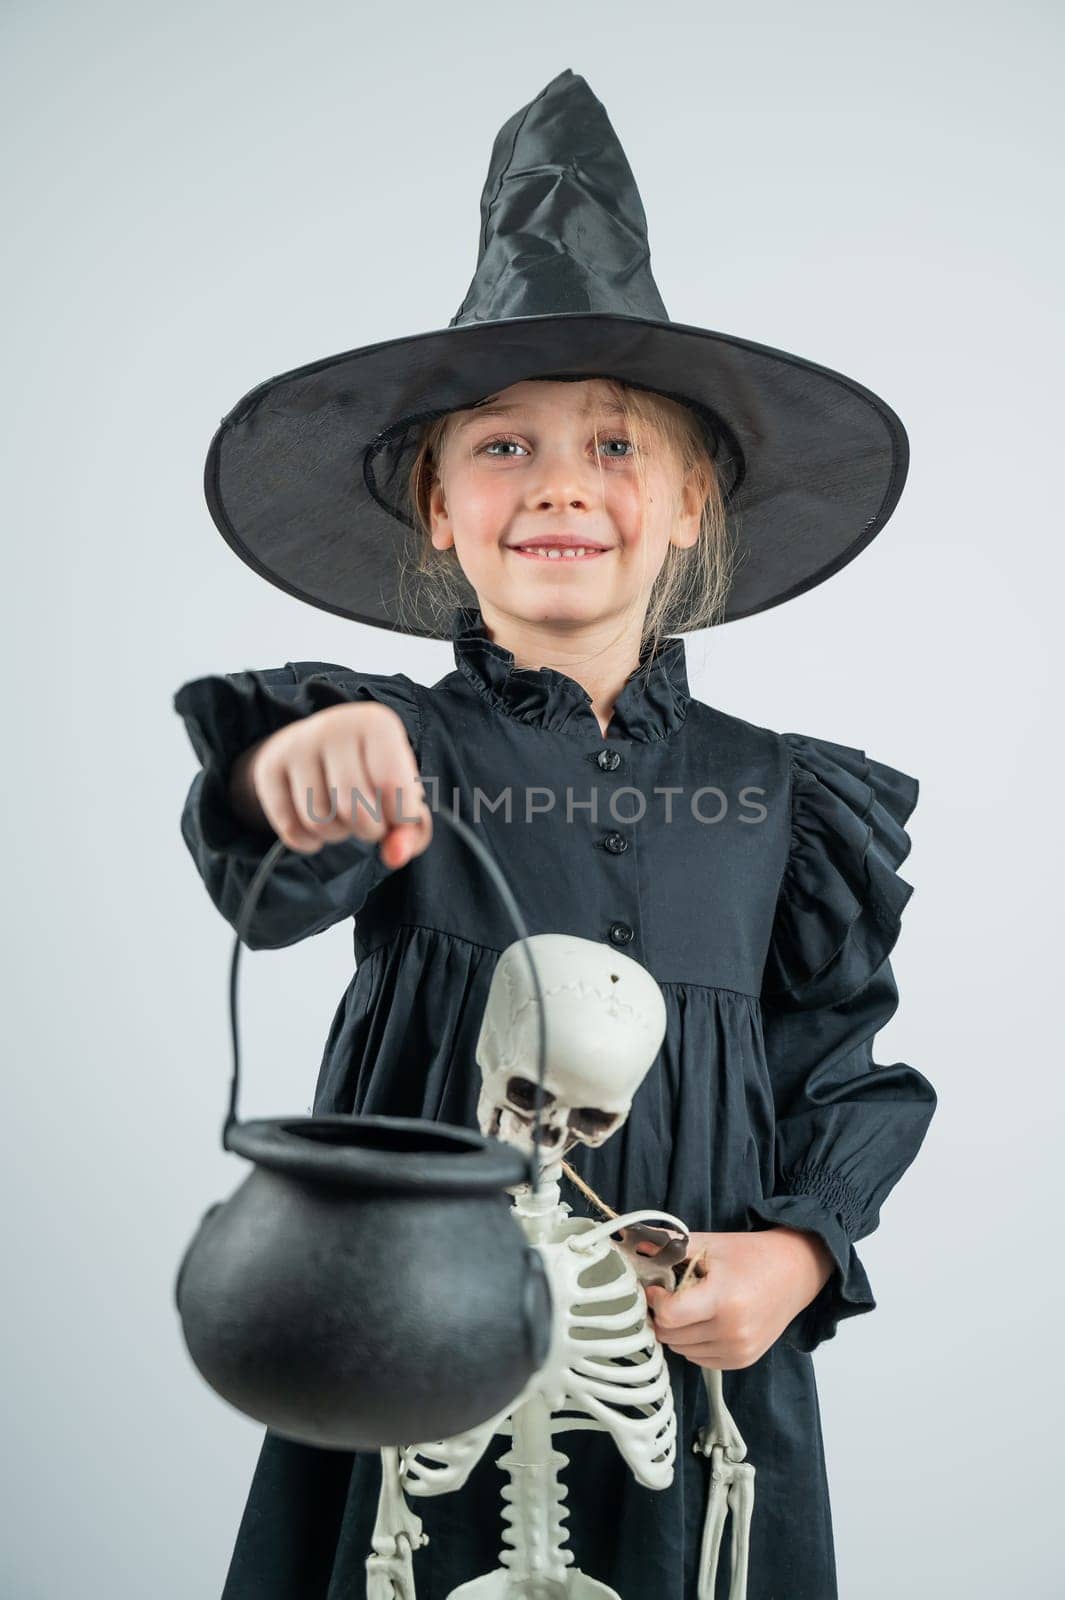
x=480, y=850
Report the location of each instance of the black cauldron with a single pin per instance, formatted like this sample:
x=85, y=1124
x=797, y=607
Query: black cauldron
x=367, y=1284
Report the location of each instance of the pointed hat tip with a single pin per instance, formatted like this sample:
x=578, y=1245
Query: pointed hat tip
x=566, y=77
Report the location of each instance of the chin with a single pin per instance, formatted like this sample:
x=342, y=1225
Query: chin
x=561, y=607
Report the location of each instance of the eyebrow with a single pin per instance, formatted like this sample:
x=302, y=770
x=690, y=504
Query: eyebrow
x=604, y=408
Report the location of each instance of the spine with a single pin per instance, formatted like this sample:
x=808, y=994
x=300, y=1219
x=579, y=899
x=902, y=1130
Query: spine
x=534, y=1538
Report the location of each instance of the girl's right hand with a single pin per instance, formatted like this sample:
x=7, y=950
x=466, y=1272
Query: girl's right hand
x=350, y=761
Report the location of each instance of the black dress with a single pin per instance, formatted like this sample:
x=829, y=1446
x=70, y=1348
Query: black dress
x=762, y=894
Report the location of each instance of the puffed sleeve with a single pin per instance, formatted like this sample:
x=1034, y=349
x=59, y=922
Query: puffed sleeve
x=223, y=715
x=847, y=1127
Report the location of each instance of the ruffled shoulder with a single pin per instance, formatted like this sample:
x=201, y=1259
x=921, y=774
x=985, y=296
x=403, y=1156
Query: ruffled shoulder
x=841, y=899
x=226, y=713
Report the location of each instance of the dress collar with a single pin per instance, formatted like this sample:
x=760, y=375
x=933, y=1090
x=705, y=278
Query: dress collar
x=653, y=702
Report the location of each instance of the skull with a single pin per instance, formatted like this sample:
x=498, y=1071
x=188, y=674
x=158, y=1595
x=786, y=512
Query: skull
x=606, y=1020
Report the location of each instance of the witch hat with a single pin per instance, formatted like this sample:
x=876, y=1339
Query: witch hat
x=307, y=476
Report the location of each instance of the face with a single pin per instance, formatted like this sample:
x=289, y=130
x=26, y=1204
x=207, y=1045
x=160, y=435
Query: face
x=559, y=462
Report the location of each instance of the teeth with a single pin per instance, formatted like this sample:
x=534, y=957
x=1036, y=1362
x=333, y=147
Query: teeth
x=558, y=554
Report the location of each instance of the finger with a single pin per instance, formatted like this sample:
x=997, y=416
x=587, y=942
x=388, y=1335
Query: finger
x=397, y=776
x=404, y=843
x=279, y=807
x=681, y=1311
x=316, y=803
x=685, y=1339
x=403, y=803
x=370, y=816
x=713, y=1356
x=389, y=791
x=421, y=833
x=355, y=807
x=406, y=813
x=389, y=807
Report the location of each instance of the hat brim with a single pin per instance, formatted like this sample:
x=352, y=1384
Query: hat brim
x=305, y=477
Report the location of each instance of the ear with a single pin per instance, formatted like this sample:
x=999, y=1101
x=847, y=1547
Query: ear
x=441, y=531
x=689, y=516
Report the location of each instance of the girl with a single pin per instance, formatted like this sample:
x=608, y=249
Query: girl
x=566, y=513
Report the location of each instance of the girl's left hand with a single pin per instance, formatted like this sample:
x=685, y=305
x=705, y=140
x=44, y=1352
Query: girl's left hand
x=757, y=1282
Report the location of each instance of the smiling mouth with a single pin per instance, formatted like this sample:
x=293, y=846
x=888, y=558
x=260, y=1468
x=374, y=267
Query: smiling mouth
x=570, y=554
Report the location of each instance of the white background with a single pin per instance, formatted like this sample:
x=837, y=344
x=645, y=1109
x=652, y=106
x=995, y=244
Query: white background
x=200, y=196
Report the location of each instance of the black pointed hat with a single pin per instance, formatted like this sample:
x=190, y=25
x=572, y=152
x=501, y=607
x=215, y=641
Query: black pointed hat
x=307, y=476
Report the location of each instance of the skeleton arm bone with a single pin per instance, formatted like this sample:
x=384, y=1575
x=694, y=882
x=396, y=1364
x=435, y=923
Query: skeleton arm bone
x=397, y=1533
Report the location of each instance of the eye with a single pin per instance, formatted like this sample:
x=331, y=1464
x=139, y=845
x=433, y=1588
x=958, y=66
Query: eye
x=489, y=447
x=620, y=440
x=589, y=1120
x=522, y=1094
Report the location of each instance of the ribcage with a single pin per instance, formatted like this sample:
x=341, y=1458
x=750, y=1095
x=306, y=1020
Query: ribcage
x=605, y=1370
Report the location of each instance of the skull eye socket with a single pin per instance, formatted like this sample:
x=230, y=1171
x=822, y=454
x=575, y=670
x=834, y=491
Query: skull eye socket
x=590, y=1120
x=521, y=1094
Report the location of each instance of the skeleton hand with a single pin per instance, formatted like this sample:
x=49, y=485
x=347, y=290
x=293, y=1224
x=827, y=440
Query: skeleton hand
x=655, y=1253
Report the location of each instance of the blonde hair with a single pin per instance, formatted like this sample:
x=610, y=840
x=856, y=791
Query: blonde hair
x=692, y=587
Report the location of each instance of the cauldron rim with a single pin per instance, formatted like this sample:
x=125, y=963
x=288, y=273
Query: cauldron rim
x=465, y=1162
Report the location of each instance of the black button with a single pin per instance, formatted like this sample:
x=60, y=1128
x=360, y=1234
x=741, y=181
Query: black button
x=621, y=933
x=616, y=843
x=608, y=760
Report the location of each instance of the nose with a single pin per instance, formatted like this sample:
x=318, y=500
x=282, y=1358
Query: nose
x=564, y=482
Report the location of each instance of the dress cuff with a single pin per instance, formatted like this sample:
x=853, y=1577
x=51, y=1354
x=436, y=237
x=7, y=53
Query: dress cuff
x=816, y=1200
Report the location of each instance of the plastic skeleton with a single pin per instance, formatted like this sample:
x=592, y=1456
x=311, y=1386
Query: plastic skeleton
x=604, y=1368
